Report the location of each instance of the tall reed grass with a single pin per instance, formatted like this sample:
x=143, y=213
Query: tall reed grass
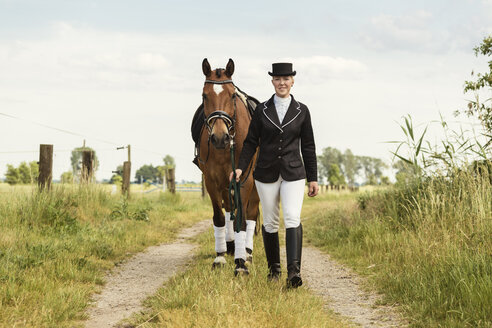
x=426, y=244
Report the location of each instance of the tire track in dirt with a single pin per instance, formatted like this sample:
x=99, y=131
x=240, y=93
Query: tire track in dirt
x=139, y=277
x=142, y=275
x=339, y=288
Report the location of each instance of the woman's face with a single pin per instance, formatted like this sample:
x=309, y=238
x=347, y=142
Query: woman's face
x=282, y=85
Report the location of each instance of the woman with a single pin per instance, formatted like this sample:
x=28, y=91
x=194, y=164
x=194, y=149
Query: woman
x=278, y=127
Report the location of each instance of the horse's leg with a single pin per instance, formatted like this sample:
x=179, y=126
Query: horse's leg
x=240, y=253
x=252, y=214
x=219, y=229
x=228, y=223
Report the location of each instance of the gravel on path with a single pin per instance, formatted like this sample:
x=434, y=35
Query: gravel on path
x=140, y=277
x=340, y=289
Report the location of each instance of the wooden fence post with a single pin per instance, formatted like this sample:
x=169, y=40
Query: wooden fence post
x=45, y=166
x=171, y=183
x=87, y=166
x=125, y=186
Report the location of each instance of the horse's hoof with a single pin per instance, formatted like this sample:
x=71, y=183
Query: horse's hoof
x=217, y=265
x=241, y=268
x=230, y=247
x=249, y=255
x=249, y=260
x=219, y=262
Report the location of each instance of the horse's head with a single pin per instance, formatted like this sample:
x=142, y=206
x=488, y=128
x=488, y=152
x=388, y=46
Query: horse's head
x=219, y=101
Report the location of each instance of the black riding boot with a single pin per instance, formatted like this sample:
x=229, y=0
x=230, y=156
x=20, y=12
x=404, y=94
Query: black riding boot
x=272, y=251
x=293, y=242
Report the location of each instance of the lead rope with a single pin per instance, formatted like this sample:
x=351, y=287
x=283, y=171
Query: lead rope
x=235, y=186
x=235, y=195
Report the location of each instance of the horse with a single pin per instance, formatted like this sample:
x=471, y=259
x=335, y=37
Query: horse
x=226, y=123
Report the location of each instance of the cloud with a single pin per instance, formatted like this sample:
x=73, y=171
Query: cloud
x=399, y=32
x=419, y=31
x=319, y=69
x=84, y=57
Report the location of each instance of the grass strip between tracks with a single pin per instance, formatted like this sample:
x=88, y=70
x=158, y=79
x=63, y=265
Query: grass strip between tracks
x=202, y=297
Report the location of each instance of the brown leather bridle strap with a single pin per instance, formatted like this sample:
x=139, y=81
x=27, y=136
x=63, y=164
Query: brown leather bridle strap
x=219, y=82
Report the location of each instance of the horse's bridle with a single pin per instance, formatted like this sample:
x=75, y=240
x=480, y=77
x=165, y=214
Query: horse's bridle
x=229, y=121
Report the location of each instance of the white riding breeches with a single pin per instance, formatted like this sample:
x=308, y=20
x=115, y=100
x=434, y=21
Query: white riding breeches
x=290, y=194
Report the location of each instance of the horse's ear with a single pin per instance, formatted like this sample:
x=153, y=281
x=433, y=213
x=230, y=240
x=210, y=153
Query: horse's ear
x=206, y=67
x=229, y=68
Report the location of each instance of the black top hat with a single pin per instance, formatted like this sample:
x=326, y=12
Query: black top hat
x=282, y=69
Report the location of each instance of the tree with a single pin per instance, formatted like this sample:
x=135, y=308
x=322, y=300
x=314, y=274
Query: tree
x=67, y=177
x=147, y=173
x=405, y=172
x=34, y=166
x=329, y=156
x=116, y=180
x=385, y=180
x=28, y=172
x=12, y=176
x=168, y=164
x=482, y=109
x=373, y=169
x=351, y=166
x=169, y=161
x=24, y=173
x=118, y=176
x=76, y=160
x=335, y=176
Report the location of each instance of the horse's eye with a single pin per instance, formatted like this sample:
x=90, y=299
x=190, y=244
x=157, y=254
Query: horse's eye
x=204, y=96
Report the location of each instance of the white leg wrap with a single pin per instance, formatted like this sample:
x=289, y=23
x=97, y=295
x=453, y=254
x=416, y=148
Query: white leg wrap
x=220, y=242
x=229, y=227
x=250, y=232
x=239, y=243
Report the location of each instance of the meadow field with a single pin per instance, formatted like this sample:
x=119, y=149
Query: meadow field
x=426, y=247
x=56, y=247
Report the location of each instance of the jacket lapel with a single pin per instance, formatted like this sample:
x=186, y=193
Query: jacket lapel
x=270, y=112
x=292, y=112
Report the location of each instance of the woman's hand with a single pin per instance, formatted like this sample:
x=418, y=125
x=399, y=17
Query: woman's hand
x=238, y=175
x=313, y=188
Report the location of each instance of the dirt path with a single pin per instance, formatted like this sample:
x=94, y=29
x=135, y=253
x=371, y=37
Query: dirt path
x=143, y=274
x=140, y=277
x=339, y=288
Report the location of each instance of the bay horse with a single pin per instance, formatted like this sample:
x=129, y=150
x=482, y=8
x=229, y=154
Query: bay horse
x=226, y=122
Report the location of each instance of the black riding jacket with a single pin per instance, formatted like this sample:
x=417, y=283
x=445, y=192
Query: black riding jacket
x=279, y=143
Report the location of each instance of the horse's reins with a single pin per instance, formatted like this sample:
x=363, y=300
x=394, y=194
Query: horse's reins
x=234, y=186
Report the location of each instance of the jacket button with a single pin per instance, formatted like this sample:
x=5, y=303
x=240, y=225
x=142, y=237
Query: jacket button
x=280, y=140
x=280, y=157
x=279, y=148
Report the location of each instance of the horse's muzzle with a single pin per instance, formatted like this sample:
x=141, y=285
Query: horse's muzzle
x=220, y=142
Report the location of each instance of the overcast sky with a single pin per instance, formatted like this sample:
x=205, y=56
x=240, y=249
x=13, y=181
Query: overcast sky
x=129, y=72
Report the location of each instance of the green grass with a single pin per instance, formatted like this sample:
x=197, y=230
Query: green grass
x=56, y=247
x=201, y=297
x=426, y=246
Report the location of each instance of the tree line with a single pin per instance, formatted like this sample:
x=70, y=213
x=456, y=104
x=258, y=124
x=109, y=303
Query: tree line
x=337, y=168
x=28, y=172
x=148, y=172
